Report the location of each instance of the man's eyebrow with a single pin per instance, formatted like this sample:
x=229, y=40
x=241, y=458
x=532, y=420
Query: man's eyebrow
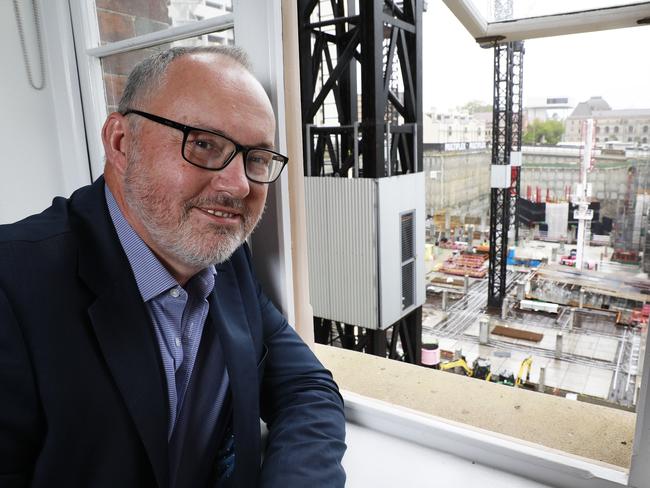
x=262, y=145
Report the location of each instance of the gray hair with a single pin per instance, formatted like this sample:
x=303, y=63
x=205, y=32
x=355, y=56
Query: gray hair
x=149, y=74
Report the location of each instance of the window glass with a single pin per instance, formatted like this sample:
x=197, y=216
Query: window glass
x=117, y=67
x=124, y=19
x=519, y=9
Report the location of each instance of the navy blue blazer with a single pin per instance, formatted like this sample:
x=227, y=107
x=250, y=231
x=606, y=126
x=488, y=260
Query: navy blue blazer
x=83, y=400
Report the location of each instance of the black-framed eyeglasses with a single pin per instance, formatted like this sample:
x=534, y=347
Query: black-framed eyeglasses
x=213, y=151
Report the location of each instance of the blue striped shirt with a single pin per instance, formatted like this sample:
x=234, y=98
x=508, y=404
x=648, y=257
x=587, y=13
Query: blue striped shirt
x=178, y=314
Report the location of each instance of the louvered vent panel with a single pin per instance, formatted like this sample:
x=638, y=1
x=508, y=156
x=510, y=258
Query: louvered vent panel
x=408, y=284
x=407, y=229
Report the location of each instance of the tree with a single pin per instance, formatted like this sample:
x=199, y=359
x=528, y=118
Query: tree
x=476, y=106
x=546, y=132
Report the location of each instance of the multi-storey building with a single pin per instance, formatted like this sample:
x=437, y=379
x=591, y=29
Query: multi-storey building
x=628, y=126
x=548, y=108
x=453, y=127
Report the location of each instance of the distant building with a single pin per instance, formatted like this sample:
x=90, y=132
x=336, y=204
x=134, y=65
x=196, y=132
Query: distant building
x=184, y=12
x=631, y=126
x=549, y=108
x=485, y=117
x=456, y=164
x=453, y=127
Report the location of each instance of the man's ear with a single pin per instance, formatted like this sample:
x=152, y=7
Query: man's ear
x=114, y=136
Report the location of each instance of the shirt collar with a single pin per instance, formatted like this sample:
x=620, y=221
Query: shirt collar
x=150, y=274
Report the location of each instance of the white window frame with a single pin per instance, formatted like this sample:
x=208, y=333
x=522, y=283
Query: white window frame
x=258, y=29
x=66, y=103
x=547, y=25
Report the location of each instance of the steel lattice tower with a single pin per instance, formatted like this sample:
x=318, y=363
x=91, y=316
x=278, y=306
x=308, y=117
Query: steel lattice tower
x=506, y=119
x=516, y=92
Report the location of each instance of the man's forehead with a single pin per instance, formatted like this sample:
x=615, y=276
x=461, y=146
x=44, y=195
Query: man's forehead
x=209, y=65
x=213, y=92
x=215, y=74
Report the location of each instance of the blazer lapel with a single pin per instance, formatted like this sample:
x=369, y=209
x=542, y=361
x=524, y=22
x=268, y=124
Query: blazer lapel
x=127, y=341
x=122, y=325
x=229, y=318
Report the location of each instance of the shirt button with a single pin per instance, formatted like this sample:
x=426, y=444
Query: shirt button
x=178, y=342
x=174, y=292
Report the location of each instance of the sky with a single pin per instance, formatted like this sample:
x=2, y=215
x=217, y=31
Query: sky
x=612, y=64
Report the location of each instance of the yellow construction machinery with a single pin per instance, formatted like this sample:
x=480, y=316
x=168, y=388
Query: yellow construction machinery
x=458, y=363
x=480, y=368
x=526, y=364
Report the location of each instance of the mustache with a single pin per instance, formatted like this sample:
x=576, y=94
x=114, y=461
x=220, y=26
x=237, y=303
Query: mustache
x=219, y=200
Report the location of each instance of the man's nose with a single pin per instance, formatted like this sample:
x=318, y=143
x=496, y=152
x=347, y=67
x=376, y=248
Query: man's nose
x=232, y=179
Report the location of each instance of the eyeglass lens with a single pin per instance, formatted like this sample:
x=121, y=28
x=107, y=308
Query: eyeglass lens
x=212, y=151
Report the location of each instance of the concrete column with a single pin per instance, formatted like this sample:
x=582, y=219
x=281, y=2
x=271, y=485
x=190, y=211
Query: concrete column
x=554, y=255
x=445, y=299
x=504, y=308
x=581, y=299
x=466, y=284
x=572, y=319
x=484, y=330
x=521, y=290
x=541, y=384
x=559, y=346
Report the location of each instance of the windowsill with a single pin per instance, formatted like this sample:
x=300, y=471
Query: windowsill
x=601, y=435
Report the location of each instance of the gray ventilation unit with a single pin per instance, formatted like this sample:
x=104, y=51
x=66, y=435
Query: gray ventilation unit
x=366, y=248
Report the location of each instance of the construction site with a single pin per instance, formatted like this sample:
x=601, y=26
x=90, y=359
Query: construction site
x=559, y=330
x=573, y=318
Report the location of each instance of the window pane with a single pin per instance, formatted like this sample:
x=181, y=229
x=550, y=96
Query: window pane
x=116, y=68
x=123, y=19
x=495, y=10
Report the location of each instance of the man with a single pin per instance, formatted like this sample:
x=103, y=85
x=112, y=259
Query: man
x=136, y=348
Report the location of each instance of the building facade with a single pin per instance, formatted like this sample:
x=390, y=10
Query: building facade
x=453, y=127
x=549, y=108
x=631, y=127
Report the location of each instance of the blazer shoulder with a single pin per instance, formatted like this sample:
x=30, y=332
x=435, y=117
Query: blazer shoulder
x=51, y=222
x=59, y=218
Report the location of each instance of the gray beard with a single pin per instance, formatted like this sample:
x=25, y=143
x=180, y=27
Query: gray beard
x=194, y=248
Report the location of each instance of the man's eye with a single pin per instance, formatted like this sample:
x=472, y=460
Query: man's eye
x=203, y=144
x=258, y=160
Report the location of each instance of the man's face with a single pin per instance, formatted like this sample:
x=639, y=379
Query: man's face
x=192, y=217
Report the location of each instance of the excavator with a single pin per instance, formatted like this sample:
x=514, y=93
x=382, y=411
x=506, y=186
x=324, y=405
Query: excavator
x=526, y=364
x=481, y=370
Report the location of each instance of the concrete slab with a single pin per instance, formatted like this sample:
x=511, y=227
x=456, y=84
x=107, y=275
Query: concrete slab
x=598, y=383
x=554, y=376
x=606, y=349
x=575, y=378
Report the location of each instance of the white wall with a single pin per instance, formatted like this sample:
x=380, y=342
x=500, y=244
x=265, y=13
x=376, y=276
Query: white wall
x=43, y=155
